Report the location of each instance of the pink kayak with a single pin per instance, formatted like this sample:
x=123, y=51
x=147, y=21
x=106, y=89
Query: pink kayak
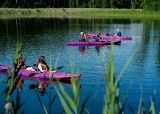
x=110, y=37
x=94, y=43
x=45, y=75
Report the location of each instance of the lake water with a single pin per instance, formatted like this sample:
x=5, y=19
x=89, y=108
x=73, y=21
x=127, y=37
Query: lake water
x=47, y=36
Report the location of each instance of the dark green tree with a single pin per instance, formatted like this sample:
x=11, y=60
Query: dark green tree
x=72, y=3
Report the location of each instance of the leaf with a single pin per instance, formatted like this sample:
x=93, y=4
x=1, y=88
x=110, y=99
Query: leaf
x=67, y=97
x=85, y=102
x=43, y=106
x=2, y=93
x=63, y=103
x=53, y=100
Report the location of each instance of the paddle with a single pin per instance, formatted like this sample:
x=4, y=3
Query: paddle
x=52, y=69
x=32, y=74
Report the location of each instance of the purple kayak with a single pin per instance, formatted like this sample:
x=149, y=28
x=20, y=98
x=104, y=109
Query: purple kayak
x=38, y=75
x=110, y=37
x=93, y=43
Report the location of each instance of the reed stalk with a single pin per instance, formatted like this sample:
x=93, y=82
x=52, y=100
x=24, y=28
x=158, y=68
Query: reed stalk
x=12, y=80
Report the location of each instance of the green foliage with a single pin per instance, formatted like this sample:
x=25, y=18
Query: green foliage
x=42, y=104
x=11, y=77
x=72, y=3
x=71, y=104
x=111, y=105
x=152, y=108
x=152, y=5
x=12, y=82
x=112, y=92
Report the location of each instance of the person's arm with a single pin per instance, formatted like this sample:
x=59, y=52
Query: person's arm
x=85, y=37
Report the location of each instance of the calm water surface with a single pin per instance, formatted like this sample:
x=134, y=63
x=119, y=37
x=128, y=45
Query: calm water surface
x=48, y=37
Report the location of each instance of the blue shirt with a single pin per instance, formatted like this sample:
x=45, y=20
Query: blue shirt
x=119, y=33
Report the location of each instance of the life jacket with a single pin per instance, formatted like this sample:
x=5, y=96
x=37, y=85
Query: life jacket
x=83, y=37
x=97, y=38
x=119, y=33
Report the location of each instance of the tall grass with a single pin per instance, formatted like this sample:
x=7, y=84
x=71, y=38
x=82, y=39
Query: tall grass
x=12, y=80
x=71, y=103
x=76, y=12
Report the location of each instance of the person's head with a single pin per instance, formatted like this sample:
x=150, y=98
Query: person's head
x=41, y=59
x=81, y=33
x=117, y=30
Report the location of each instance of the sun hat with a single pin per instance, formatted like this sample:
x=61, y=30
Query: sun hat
x=81, y=33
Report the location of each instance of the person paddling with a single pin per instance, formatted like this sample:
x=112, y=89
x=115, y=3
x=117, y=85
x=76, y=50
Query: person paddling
x=20, y=62
x=82, y=37
x=42, y=65
x=98, y=38
x=119, y=33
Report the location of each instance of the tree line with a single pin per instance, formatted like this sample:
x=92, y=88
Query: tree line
x=152, y=5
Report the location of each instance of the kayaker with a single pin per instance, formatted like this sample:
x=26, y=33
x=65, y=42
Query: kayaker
x=42, y=65
x=107, y=34
x=82, y=37
x=119, y=33
x=20, y=62
x=98, y=38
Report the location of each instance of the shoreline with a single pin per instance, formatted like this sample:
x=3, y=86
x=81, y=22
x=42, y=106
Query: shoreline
x=76, y=13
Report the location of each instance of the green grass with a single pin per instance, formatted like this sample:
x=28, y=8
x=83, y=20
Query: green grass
x=76, y=12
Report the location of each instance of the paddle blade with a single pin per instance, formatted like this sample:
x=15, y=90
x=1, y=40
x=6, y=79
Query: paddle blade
x=60, y=67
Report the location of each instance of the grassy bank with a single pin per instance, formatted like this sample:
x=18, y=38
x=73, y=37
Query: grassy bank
x=76, y=12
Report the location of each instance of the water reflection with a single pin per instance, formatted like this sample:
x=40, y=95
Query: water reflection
x=98, y=49
x=19, y=84
x=40, y=86
x=82, y=50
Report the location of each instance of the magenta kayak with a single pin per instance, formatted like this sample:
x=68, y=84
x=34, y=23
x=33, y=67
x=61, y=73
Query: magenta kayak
x=45, y=75
x=94, y=43
x=110, y=37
